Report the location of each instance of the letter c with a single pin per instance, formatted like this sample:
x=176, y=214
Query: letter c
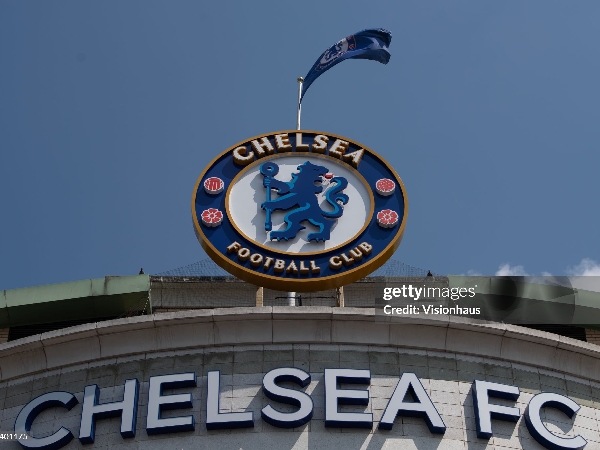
x=32, y=409
x=242, y=157
x=335, y=263
x=539, y=431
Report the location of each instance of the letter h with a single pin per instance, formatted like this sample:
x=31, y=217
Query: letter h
x=91, y=410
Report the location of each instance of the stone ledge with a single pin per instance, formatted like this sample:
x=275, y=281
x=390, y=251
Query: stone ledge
x=293, y=312
x=180, y=317
x=174, y=331
x=248, y=313
x=481, y=326
x=68, y=334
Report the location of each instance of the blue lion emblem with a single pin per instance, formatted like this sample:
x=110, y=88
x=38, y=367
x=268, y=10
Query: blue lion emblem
x=300, y=193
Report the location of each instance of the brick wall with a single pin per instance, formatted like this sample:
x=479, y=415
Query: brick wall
x=592, y=336
x=447, y=377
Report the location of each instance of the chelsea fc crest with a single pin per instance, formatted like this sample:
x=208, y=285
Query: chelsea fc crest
x=299, y=210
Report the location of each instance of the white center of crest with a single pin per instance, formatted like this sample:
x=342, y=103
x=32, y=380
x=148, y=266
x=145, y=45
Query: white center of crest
x=248, y=193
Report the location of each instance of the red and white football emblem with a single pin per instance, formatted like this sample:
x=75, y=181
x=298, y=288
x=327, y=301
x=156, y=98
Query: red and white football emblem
x=387, y=218
x=385, y=187
x=212, y=217
x=214, y=185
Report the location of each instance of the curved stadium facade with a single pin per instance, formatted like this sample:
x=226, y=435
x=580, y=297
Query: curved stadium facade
x=178, y=361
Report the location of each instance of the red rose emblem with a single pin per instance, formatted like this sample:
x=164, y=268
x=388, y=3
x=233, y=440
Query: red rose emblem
x=387, y=218
x=385, y=187
x=212, y=217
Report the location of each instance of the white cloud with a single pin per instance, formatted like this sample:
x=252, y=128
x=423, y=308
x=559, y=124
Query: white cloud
x=587, y=267
x=506, y=270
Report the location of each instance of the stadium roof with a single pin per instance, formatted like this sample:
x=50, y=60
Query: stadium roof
x=207, y=268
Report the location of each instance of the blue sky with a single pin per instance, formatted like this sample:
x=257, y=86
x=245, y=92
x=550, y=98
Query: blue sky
x=110, y=110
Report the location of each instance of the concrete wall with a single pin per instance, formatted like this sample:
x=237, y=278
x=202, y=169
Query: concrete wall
x=176, y=293
x=245, y=343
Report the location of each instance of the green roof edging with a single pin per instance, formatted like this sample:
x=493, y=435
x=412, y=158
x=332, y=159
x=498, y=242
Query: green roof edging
x=574, y=306
x=85, y=299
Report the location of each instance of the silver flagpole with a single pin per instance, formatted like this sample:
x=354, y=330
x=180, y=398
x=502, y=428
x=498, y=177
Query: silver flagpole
x=300, y=81
x=291, y=296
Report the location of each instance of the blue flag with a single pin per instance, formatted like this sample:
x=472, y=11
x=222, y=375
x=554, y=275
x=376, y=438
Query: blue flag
x=367, y=44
